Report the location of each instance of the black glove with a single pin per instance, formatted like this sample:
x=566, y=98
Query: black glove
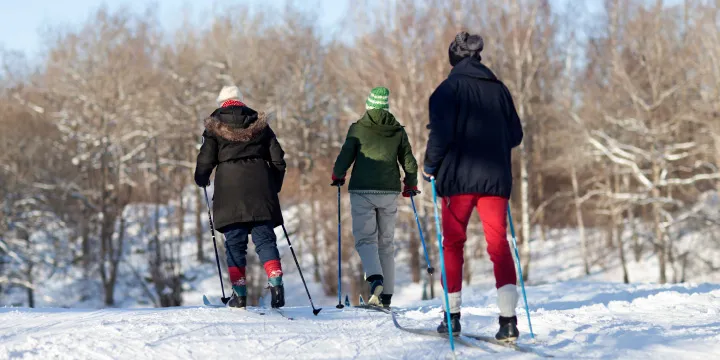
x=202, y=181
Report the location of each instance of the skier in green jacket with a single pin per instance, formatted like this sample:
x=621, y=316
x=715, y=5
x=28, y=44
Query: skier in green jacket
x=376, y=144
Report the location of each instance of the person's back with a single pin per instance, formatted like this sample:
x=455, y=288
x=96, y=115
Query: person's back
x=376, y=144
x=477, y=145
x=473, y=127
x=250, y=168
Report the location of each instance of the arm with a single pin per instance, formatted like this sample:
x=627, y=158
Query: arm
x=514, y=124
x=207, y=159
x=443, y=116
x=347, y=155
x=277, y=160
x=407, y=161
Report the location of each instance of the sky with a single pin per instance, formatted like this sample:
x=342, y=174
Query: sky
x=22, y=22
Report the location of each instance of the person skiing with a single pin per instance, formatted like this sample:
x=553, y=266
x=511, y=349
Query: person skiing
x=473, y=127
x=250, y=170
x=375, y=144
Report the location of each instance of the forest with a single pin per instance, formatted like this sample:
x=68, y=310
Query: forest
x=621, y=115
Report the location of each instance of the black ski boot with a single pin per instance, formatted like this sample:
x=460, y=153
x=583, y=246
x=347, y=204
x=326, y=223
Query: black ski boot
x=385, y=300
x=237, y=301
x=508, y=329
x=456, y=328
x=277, y=296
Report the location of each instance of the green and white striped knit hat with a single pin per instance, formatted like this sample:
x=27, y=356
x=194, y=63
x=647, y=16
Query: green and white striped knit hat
x=378, y=99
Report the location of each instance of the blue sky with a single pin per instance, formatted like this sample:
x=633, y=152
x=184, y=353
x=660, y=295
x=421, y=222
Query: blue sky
x=23, y=21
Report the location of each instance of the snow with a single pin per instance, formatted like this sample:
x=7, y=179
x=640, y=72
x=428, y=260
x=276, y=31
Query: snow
x=579, y=320
x=575, y=316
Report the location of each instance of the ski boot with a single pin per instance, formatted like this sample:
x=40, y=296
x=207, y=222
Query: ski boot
x=238, y=301
x=277, y=292
x=385, y=300
x=508, y=329
x=376, y=288
x=456, y=328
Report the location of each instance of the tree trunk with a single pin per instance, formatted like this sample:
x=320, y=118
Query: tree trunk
x=541, y=216
x=414, y=258
x=580, y=221
x=525, y=203
x=660, y=247
x=29, y=273
x=617, y=234
x=660, y=244
x=314, y=241
x=619, y=225
x=86, y=249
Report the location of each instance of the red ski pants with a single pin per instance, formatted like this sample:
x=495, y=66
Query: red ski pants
x=456, y=212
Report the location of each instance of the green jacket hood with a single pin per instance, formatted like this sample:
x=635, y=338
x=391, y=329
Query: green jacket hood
x=381, y=122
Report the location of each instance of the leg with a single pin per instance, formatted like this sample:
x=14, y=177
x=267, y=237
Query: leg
x=365, y=232
x=493, y=213
x=263, y=235
x=456, y=214
x=236, y=242
x=386, y=218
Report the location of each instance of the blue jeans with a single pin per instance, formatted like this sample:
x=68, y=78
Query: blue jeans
x=236, y=242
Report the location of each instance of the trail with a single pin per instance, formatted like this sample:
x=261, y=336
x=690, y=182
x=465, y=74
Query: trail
x=572, y=320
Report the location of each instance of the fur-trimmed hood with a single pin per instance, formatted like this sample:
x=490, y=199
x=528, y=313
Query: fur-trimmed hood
x=236, y=123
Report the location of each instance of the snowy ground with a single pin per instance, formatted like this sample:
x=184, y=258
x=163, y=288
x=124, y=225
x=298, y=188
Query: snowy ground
x=571, y=320
x=574, y=315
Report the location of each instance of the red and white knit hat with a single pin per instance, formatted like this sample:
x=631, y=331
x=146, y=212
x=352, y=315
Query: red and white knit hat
x=229, y=93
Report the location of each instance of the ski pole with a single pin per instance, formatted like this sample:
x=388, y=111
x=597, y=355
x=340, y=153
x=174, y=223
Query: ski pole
x=315, y=311
x=438, y=230
x=339, y=305
x=217, y=257
x=519, y=266
x=430, y=269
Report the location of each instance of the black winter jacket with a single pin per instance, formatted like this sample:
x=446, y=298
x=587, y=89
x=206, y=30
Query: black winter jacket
x=473, y=127
x=250, y=166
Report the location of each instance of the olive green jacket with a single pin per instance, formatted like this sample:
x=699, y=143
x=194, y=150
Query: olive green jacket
x=376, y=144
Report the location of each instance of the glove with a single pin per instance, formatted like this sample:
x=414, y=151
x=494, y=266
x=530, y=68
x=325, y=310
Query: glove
x=202, y=181
x=337, y=181
x=409, y=191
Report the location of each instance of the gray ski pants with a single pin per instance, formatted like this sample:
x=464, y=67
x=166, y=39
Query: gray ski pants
x=373, y=227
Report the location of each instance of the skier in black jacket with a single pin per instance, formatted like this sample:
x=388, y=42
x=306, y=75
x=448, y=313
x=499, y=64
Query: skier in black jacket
x=473, y=127
x=250, y=171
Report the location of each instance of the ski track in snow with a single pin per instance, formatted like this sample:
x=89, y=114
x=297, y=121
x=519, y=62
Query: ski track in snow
x=573, y=320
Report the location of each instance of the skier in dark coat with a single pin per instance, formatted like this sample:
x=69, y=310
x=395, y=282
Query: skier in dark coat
x=473, y=128
x=250, y=171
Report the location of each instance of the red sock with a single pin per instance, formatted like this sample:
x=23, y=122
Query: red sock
x=237, y=275
x=273, y=268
